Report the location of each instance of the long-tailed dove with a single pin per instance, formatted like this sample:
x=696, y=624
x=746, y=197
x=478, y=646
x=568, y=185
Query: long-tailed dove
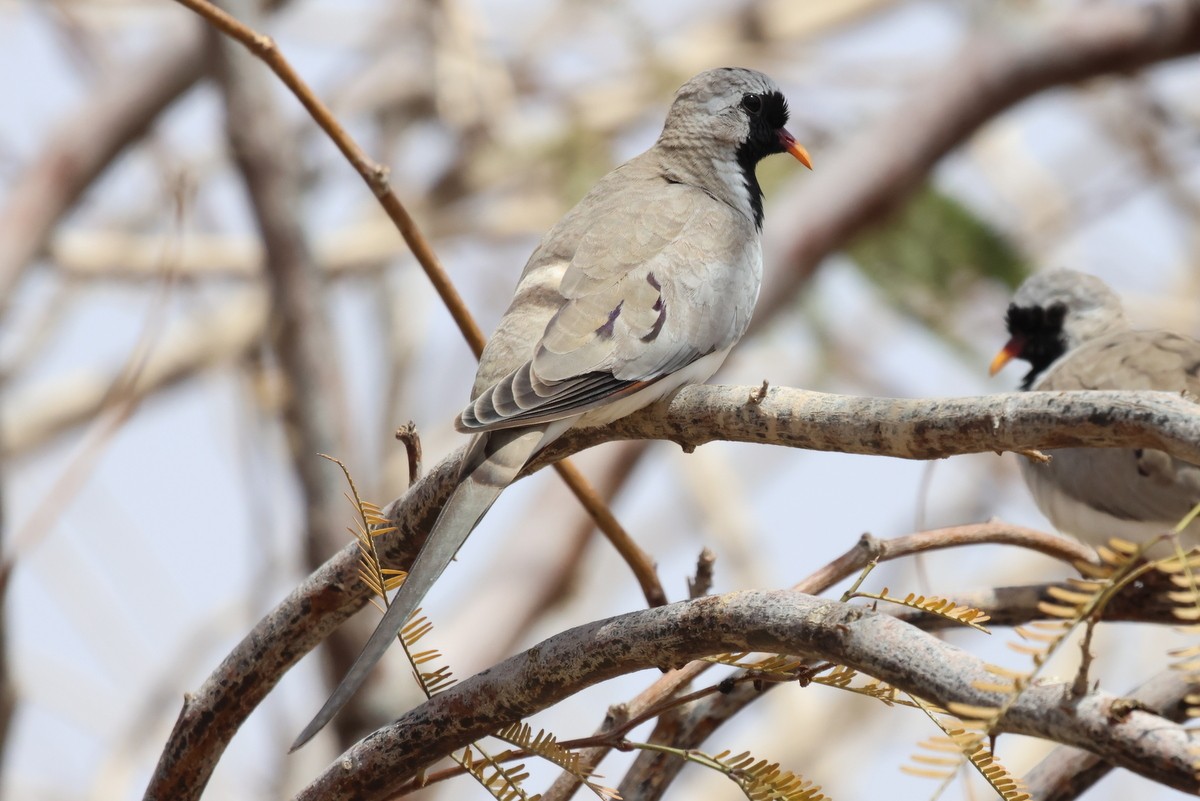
x=643, y=287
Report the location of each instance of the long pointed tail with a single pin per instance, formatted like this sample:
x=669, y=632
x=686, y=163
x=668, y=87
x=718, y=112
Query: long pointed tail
x=500, y=456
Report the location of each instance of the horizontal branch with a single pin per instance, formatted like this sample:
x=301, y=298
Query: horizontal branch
x=909, y=428
x=773, y=622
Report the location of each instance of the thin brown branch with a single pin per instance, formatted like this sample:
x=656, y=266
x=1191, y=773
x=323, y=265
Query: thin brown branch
x=701, y=584
x=774, y=622
x=1016, y=605
x=376, y=177
x=638, y=560
x=545, y=594
x=408, y=436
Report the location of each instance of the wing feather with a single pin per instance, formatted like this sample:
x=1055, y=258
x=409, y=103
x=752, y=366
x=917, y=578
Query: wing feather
x=654, y=283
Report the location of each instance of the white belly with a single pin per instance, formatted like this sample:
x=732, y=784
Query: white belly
x=1094, y=527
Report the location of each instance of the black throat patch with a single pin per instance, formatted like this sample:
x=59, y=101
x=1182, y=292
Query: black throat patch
x=762, y=142
x=1041, y=332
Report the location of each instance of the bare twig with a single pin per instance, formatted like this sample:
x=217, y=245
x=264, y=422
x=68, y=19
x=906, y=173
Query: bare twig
x=638, y=560
x=407, y=434
x=375, y=175
x=701, y=583
x=622, y=460
x=1079, y=685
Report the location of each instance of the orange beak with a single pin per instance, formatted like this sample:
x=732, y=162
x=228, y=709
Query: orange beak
x=795, y=148
x=1010, y=351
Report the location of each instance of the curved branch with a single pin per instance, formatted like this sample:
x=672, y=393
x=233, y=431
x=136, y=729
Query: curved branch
x=652, y=774
x=773, y=622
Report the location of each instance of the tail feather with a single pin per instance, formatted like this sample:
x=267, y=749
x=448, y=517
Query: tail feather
x=492, y=463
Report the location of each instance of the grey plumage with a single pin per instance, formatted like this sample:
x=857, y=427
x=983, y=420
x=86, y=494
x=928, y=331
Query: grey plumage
x=1072, y=329
x=641, y=288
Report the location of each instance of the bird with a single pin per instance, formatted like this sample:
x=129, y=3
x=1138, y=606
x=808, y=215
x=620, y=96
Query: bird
x=642, y=288
x=1072, y=329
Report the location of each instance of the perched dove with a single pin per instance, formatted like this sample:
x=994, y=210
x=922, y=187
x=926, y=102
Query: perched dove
x=640, y=289
x=1071, y=329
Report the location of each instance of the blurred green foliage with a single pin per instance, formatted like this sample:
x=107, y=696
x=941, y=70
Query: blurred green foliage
x=931, y=251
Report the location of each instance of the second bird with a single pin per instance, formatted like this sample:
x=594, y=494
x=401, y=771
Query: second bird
x=640, y=289
x=1071, y=329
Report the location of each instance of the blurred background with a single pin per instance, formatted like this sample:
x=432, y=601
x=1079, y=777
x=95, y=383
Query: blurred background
x=182, y=329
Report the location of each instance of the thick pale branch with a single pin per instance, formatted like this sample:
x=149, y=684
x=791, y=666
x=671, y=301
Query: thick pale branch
x=652, y=774
x=1066, y=773
x=774, y=622
x=910, y=428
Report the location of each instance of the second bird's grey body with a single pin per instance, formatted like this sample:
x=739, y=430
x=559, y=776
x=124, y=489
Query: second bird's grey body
x=641, y=288
x=1098, y=493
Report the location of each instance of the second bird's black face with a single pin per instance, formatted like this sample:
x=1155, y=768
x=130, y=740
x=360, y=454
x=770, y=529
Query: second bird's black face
x=767, y=113
x=1040, y=333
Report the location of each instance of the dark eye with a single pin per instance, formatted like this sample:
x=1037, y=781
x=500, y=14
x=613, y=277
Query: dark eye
x=752, y=104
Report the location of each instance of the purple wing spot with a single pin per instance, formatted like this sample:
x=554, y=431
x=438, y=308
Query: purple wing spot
x=661, y=308
x=606, y=330
x=652, y=281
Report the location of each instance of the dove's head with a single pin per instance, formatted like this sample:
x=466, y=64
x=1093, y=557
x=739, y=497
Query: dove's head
x=740, y=109
x=721, y=124
x=1054, y=312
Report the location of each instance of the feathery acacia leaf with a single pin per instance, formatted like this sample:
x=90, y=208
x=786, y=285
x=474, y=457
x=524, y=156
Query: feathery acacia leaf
x=968, y=747
x=545, y=745
x=765, y=781
x=941, y=607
